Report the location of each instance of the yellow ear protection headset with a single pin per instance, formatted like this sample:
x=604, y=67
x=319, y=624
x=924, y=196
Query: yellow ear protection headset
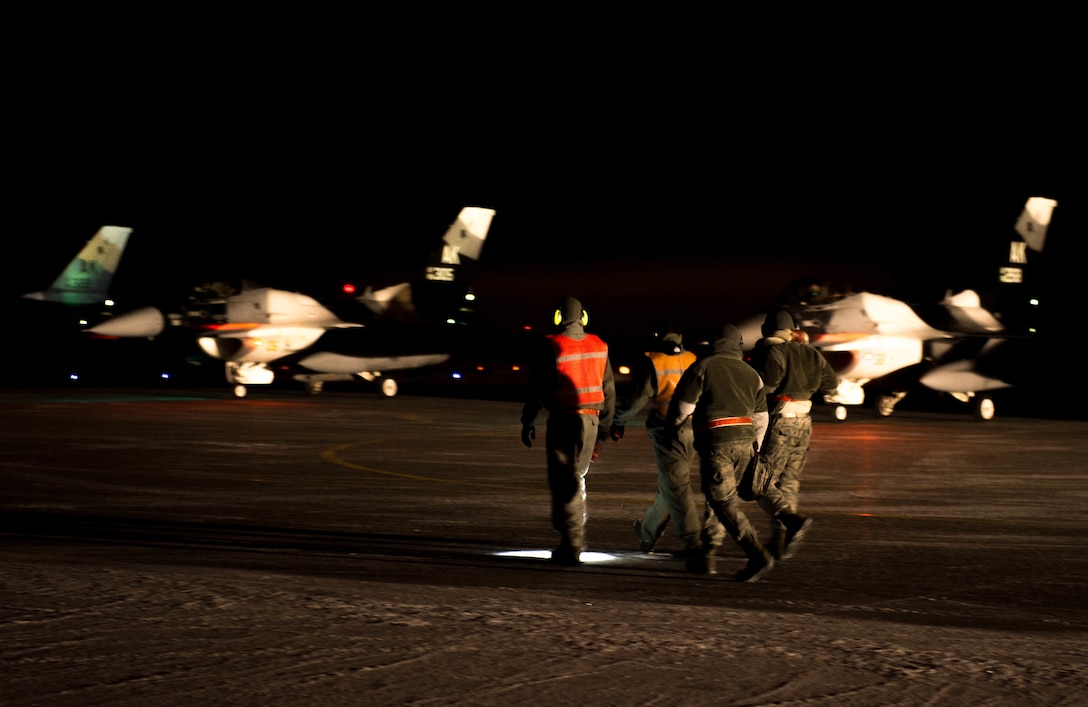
x=558, y=318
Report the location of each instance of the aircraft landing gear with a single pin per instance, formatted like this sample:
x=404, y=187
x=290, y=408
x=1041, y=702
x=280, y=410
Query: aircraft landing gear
x=388, y=387
x=885, y=404
x=984, y=408
x=848, y=393
x=243, y=374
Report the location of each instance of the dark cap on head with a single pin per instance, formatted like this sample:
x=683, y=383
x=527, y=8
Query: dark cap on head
x=671, y=343
x=667, y=337
x=777, y=320
x=568, y=311
x=728, y=339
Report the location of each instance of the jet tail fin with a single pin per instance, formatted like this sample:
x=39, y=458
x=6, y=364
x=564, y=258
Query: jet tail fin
x=1034, y=221
x=87, y=278
x=463, y=239
x=385, y=299
x=1031, y=226
x=433, y=297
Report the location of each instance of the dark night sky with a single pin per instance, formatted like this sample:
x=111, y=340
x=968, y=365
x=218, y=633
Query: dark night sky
x=308, y=168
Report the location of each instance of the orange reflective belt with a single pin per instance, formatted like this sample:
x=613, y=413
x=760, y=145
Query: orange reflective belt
x=725, y=422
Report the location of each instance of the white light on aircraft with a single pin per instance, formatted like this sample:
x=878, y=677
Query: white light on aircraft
x=73, y=376
x=547, y=555
x=1034, y=302
x=456, y=376
x=109, y=303
x=469, y=297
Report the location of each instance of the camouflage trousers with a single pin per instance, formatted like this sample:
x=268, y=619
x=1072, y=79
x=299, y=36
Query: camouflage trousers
x=785, y=452
x=720, y=468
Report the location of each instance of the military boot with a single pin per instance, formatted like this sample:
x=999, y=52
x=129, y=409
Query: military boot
x=701, y=560
x=777, y=545
x=760, y=561
x=645, y=545
x=795, y=529
x=567, y=555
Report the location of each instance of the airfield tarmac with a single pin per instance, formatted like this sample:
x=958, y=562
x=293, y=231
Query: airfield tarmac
x=183, y=547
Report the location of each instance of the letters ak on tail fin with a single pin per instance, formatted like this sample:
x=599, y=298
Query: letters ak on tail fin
x=1032, y=226
x=435, y=296
x=463, y=239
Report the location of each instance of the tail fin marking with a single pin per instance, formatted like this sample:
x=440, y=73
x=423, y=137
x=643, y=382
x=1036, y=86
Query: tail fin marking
x=87, y=278
x=465, y=237
x=1034, y=221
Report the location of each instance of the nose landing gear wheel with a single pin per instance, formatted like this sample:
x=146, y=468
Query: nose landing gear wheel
x=984, y=409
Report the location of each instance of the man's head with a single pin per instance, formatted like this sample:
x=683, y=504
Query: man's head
x=568, y=311
x=728, y=340
x=667, y=338
x=777, y=321
x=672, y=343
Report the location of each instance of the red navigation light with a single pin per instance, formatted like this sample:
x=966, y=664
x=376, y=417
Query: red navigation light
x=349, y=289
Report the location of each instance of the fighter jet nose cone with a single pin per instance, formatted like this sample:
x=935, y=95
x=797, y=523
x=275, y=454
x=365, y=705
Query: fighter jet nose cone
x=144, y=322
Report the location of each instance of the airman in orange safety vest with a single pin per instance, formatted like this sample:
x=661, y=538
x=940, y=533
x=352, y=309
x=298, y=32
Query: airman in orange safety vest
x=572, y=379
x=652, y=384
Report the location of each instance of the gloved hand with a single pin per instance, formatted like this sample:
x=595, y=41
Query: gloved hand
x=528, y=434
x=596, y=451
x=616, y=433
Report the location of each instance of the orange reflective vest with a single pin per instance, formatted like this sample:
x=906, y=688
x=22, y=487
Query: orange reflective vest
x=669, y=368
x=581, y=367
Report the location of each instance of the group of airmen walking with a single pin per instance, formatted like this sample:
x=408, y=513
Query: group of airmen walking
x=745, y=423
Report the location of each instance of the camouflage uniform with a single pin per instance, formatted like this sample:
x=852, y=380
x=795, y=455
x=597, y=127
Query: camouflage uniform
x=792, y=371
x=728, y=406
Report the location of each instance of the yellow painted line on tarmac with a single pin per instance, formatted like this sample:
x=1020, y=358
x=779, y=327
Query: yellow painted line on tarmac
x=332, y=456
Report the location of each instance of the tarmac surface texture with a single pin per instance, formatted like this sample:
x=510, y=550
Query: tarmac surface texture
x=184, y=547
